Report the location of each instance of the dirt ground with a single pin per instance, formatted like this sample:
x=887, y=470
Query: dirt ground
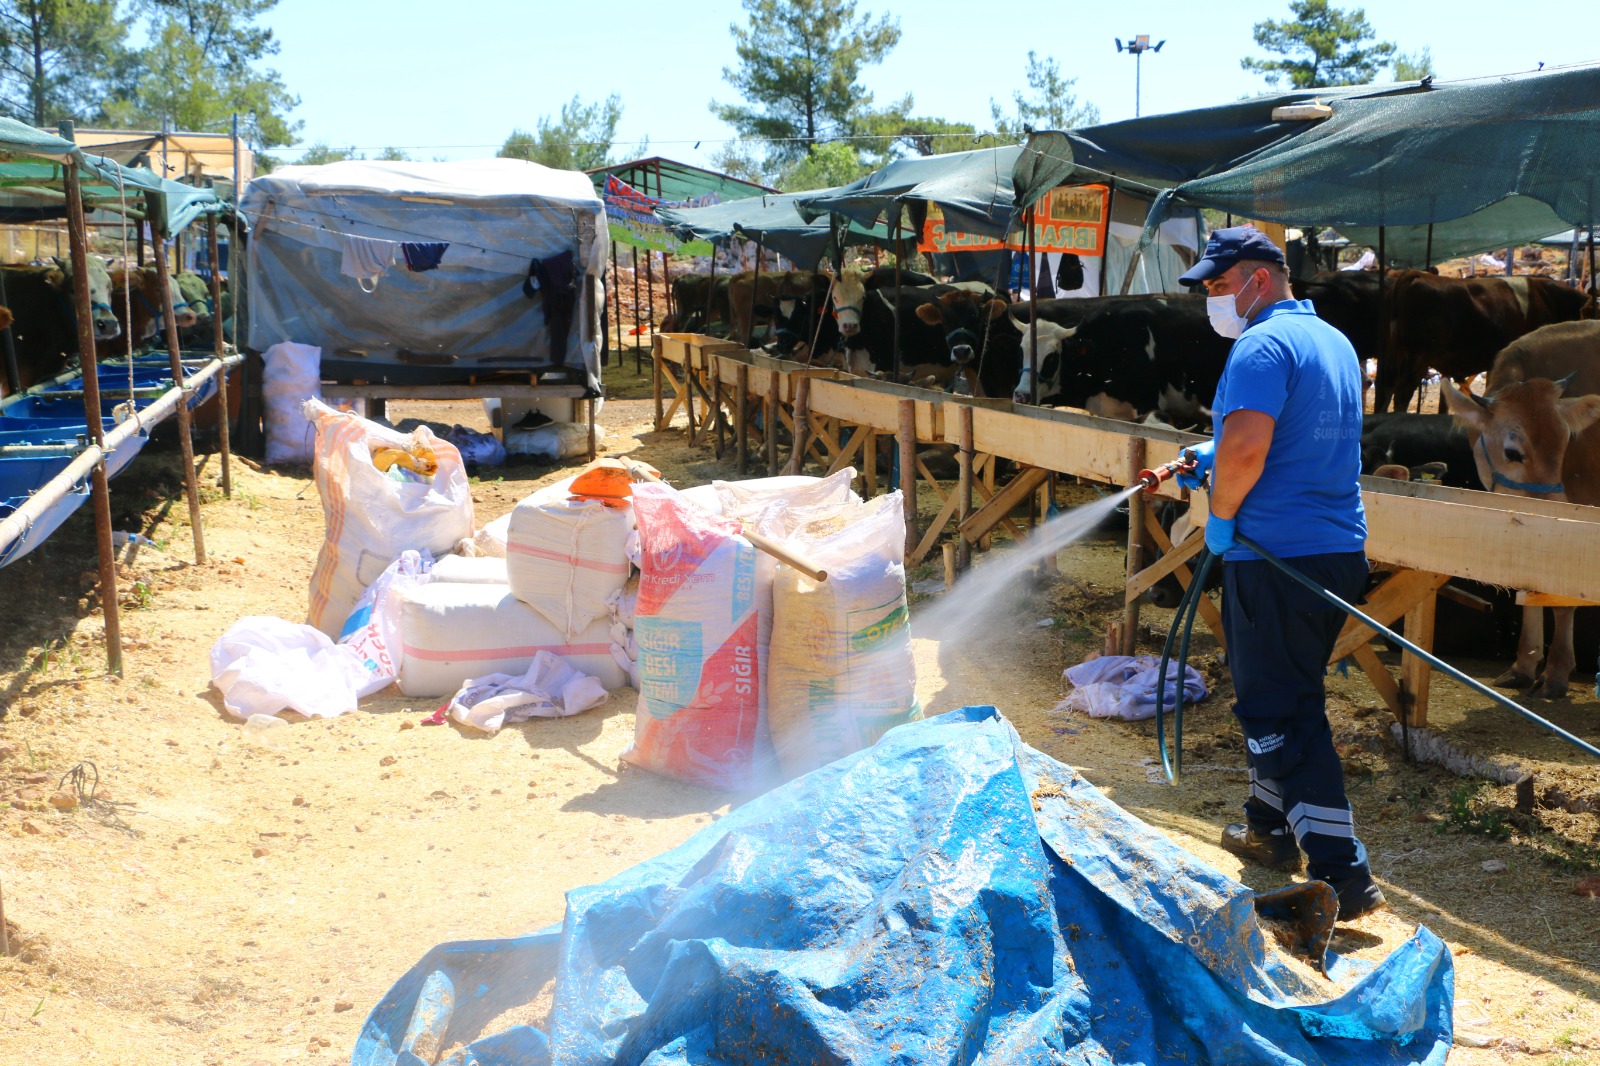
x=221, y=902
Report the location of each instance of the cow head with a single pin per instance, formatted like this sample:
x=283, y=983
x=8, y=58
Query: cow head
x=192, y=288
x=849, y=296
x=183, y=314
x=1520, y=434
x=1053, y=340
x=106, y=326
x=964, y=316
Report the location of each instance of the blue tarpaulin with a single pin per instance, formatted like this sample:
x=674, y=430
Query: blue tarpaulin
x=949, y=895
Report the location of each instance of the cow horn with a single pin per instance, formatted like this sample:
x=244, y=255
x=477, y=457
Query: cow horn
x=1486, y=402
x=1564, y=383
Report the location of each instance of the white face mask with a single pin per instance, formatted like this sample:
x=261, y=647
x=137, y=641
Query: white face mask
x=1224, y=314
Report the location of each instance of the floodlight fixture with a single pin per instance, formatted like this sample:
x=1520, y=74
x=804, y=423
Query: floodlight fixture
x=1137, y=46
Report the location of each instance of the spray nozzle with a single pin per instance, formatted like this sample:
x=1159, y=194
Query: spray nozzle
x=1151, y=479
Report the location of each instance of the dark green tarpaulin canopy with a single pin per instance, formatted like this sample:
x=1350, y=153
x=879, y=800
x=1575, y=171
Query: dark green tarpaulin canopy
x=1486, y=162
x=974, y=189
x=772, y=221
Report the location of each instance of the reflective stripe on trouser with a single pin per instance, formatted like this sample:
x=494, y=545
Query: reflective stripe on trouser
x=1279, y=637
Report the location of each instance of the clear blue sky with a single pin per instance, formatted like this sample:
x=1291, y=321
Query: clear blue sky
x=452, y=80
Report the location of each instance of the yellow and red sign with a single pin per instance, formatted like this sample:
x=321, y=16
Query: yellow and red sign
x=1068, y=219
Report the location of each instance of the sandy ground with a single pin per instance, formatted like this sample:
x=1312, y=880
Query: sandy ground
x=223, y=902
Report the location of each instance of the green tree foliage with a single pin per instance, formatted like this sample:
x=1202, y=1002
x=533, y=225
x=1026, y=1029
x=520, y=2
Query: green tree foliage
x=57, y=57
x=1049, y=104
x=202, y=67
x=799, y=71
x=1321, y=46
x=1413, y=66
x=578, y=139
x=393, y=155
x=738, y=159
x=320, y=152
x=826, y=165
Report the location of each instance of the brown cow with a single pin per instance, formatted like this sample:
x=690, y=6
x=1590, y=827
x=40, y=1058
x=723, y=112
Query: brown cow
x=44, y=327
x=1457, y=325
x=145, y=304
x=751, y=302
x=1532, y=436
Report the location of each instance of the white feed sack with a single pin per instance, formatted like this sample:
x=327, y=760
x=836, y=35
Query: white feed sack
x=371, y=518
x=454, y=632
x=291, y=374
x=481, y=570
x=565, y=557
x=840, y=672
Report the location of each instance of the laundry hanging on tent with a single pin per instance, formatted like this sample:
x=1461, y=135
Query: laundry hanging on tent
x=423, y=255
x=555, y=280
x=367, y=259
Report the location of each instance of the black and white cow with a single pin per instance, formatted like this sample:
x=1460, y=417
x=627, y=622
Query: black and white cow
x=1126, y=357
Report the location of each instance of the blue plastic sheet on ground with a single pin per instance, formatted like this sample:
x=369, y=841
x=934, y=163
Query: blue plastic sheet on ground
x=949, y=895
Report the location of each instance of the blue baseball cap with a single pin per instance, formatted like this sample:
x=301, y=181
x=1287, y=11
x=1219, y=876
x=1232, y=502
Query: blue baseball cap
x=1227, y=247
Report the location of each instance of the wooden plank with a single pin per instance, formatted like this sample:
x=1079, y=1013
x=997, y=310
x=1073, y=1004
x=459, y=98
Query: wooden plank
x=986, y=489
x=509, y=391
x=1416, y=673
x=1170, y=561
x=1544, y=599
x=1078, y=447
x=933, y=482
x=1001, y=503
x=1209, y=613
x=1389, y=601
x=1380, y=677
x=1511, y=548
x=931, y=537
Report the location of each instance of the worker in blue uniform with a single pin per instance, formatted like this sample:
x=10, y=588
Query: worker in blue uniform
x=1283, y=469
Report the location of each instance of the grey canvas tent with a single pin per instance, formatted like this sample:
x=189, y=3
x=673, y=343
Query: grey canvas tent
x=476, y=313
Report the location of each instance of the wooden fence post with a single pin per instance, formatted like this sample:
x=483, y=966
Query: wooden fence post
x=224, y=430
x=964, y=457
x=907, y=438
x=741, y=420
x=185, y=433
x=1136, y=538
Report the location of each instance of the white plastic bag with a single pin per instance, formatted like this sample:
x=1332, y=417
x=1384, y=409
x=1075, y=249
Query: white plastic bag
x=745, y=499
x=373, y=629
x=265, y=665
x=291, y=375
x=371, y=518
x=491, y=539
x=551, y=441
x=841, y=672
x=549, y=689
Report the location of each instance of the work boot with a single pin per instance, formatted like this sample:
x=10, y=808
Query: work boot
x=1275, y=851
x=1358, y=896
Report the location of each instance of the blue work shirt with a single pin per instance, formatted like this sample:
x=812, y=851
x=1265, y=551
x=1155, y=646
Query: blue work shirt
x=1291, y=365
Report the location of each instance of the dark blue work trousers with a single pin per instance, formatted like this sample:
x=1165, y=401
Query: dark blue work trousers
x=1279, y=638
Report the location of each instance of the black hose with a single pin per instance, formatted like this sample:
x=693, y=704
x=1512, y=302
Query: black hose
x=1427, y=657
x=1182, y=618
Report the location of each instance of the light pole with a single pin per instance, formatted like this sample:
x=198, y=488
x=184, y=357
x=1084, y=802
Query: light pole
x=1138, y=47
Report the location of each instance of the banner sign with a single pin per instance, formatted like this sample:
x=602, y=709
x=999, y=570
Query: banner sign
x=631, y=217
x=1068, y=219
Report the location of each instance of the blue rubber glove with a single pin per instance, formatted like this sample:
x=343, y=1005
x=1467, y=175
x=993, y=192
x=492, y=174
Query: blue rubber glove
x=1219, y=534
x=1205, y=456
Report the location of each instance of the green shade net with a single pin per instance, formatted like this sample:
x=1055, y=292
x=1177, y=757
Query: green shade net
x=774, y=223
x=672, y=182
x=1487, y=162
